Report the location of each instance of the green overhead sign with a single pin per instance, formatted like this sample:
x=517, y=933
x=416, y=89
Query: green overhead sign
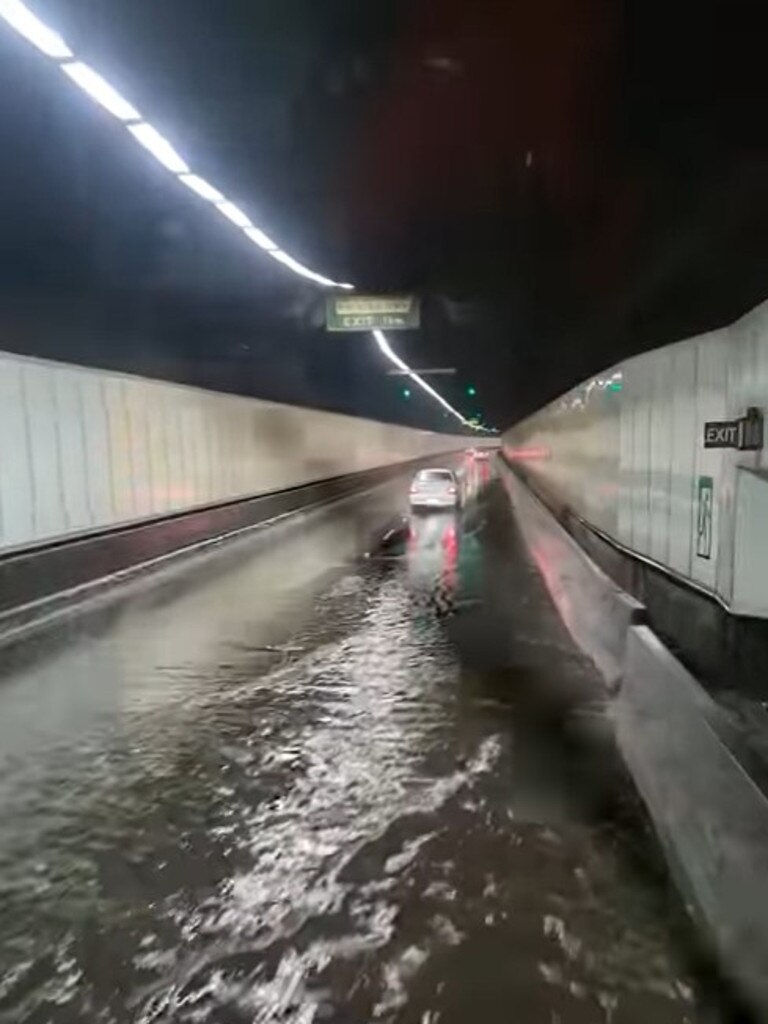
x=372, y=313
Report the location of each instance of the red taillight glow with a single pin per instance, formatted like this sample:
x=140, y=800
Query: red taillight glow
x=524, y=454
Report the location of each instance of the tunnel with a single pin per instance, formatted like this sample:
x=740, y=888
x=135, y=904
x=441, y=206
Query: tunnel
x=383, y=504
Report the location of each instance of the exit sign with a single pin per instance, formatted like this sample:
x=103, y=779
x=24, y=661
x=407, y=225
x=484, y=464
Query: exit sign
x=372, y=313
x=746, y=433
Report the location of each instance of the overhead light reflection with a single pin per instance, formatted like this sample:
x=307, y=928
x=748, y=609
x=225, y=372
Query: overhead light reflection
x=201, y=187
x=160, y=148
x=299, y=268
x=388, y=351
x=259, y=238
x=235, y=214
x=99, y=89
x=35, y=31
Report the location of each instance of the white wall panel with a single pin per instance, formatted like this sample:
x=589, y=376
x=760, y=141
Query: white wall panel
x=625, y=488
x=240, y=449
x=605, y=434
x=157, y=454
x=138, y=433
x=177, y=453
x=747, y=344
x=750, y=596
x=739, y=355
x=95, y=428
x=203, y=449
x=639, y=391
x=120, y=449
x=711, y=404
x=759, y=390
x=49, y=516
x=75, y=476
x=16, y=472
x=213, y=415
x=660, y=465
x=86, y=449
x=652, y=458
x=683, y=450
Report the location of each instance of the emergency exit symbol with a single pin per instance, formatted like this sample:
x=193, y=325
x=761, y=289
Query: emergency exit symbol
x=704, y=509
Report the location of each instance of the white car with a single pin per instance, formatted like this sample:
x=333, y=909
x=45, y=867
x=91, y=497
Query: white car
x=435, y=488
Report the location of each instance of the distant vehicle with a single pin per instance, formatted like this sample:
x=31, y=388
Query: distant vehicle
x=435, y=488
x=483, y=454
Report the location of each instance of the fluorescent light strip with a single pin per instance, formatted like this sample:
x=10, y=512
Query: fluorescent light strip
x=27, y=24
x=99, y=89
x=22, y=20
x=299, y=268
x=202, y=188
x=263, y=241
x=393, y=357
x=160, y=148
x=235, y=214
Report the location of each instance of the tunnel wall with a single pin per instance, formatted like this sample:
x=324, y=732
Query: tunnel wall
x=625, y=451
x=86, y=450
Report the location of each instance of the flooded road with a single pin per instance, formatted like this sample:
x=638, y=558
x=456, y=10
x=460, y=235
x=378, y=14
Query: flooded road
x=281, y=787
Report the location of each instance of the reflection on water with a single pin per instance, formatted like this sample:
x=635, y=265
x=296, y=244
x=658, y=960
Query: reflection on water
x=367, y=827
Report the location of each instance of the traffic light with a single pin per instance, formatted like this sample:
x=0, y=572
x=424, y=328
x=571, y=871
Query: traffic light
x=406, y=392
x=471, y=390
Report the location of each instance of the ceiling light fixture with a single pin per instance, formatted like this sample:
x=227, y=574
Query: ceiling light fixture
x=99, y=89
x=202, y=188
x=160, y=148
x=299, y=268
x=263, y=241
x=235, y=214
x=27, y=24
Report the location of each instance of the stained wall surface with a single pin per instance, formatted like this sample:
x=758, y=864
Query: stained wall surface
x=86, y=449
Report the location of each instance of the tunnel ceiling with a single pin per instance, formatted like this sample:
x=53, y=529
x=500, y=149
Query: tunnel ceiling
x=565, y=182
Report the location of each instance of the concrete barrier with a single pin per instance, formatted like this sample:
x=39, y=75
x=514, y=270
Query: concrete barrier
x=711, y=817
x=36, y=581
x=596, y=611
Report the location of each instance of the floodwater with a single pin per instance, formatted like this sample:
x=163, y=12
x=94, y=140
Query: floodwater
x=282, y=787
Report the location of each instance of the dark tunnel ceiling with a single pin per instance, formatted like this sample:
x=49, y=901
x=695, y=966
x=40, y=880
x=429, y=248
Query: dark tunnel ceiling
x=565, y=182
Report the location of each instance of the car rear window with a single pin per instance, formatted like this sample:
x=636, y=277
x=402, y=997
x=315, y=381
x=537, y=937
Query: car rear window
x=436, y=476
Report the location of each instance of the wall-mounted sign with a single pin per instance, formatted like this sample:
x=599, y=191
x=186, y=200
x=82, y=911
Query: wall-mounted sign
x=721, y=434
x=704, y=505
x=372, y=312
x=746, y=433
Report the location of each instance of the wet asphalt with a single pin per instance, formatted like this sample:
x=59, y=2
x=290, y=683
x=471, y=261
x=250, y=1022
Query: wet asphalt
x=282, y=784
